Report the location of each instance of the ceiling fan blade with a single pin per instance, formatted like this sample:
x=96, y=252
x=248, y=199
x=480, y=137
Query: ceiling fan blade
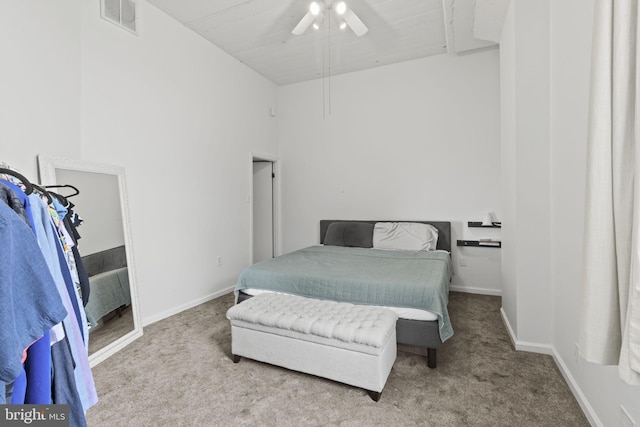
x=304, y=23
x=355, y=23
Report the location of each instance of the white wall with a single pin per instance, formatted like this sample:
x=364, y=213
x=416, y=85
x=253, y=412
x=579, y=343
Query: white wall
x=568, y=28
x=180, y=115
x=509, y=177
x=39, y=81
x=415, y=140
x=525, y=146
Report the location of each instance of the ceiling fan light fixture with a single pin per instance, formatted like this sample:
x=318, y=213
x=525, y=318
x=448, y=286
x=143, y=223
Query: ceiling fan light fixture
x=344, y=16
x=314, y=8
x=340, y=8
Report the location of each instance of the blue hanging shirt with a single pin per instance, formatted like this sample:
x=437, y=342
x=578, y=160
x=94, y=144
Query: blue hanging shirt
x=30, y=303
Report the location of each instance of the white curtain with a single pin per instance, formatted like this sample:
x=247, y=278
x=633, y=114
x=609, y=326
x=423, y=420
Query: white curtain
x=610, y=316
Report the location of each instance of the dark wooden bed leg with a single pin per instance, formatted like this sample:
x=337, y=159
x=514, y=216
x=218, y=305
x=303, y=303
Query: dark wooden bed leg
x=375, y=395
x=236, y=358
x=431, y=358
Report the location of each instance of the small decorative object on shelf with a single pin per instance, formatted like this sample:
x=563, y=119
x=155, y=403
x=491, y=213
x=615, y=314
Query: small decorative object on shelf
x=488, y=219
x=494, y=224
x=482, y=243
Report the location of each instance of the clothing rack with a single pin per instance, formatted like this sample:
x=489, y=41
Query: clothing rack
x=23, y=180
x=44, y=192
x=45, y=287
x=65, y=186
x=62, y=199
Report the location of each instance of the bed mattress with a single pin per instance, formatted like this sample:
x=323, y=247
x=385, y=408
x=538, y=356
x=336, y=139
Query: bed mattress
x=414, y=284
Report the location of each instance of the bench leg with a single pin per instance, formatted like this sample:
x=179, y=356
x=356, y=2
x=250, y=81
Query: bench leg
x=375, y=395
x=236, y=358
x=431, y=358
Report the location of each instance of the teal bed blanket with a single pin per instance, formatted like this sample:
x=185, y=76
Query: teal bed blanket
x=412, y=279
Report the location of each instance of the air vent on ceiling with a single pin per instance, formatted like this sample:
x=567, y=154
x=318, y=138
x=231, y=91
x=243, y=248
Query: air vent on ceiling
x=120, y=12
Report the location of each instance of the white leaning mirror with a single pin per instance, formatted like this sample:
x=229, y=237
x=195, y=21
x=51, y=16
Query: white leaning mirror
x=105, y=247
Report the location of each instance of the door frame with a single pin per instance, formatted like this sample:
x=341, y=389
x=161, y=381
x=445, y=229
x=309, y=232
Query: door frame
x=275, y=201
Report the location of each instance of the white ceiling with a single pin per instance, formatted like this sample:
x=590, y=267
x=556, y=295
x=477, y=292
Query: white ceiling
x=258, y=33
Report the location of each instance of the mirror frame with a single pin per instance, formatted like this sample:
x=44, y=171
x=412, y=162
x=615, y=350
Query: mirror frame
x=47, y=166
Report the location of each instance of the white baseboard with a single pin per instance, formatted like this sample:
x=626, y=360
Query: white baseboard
x=175, y=310
x=505, y=320
x=530, y=347
x=480, y=291
x=586, y=407
x=512, y=335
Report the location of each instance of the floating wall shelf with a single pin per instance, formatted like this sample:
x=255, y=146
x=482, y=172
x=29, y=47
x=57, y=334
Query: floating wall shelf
x=479, y=224
x=481, y=243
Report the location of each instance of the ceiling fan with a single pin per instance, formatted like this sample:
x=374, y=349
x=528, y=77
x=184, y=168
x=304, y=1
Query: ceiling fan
x=342, y=13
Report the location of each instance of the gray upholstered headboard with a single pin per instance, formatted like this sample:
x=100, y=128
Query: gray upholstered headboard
x=110, y=259
x=444, y=229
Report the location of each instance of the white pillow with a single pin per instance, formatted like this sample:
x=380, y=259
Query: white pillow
x=407, y=236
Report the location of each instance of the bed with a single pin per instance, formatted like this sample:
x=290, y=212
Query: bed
x=109, y=281
x=349, y=265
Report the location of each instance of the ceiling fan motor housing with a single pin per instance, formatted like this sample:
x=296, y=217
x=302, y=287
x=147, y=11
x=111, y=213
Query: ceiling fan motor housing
x=344, y=16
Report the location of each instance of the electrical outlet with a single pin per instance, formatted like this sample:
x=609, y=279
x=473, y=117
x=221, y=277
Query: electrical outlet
x=625, y=418
x=462, y=261
x=219, y=260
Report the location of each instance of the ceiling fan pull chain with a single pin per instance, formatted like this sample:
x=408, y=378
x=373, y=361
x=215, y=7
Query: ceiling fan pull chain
x=324, y=53
x=329, y=66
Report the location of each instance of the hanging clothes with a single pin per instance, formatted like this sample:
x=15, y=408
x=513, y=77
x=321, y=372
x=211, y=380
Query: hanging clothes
x=33, y=384
x=75, y=323
x=31, y=306
x=11, y=199
x=71, y=222
x=43, y=326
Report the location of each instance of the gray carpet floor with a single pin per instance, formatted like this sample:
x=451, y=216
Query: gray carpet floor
x=180, y=373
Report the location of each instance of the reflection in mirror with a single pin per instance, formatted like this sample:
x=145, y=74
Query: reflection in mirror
x=105, y=248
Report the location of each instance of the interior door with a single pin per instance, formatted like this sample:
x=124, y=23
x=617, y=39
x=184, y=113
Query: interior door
x=262, y=210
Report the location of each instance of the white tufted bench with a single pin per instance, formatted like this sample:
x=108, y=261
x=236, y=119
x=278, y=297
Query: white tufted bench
x=352, y=344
